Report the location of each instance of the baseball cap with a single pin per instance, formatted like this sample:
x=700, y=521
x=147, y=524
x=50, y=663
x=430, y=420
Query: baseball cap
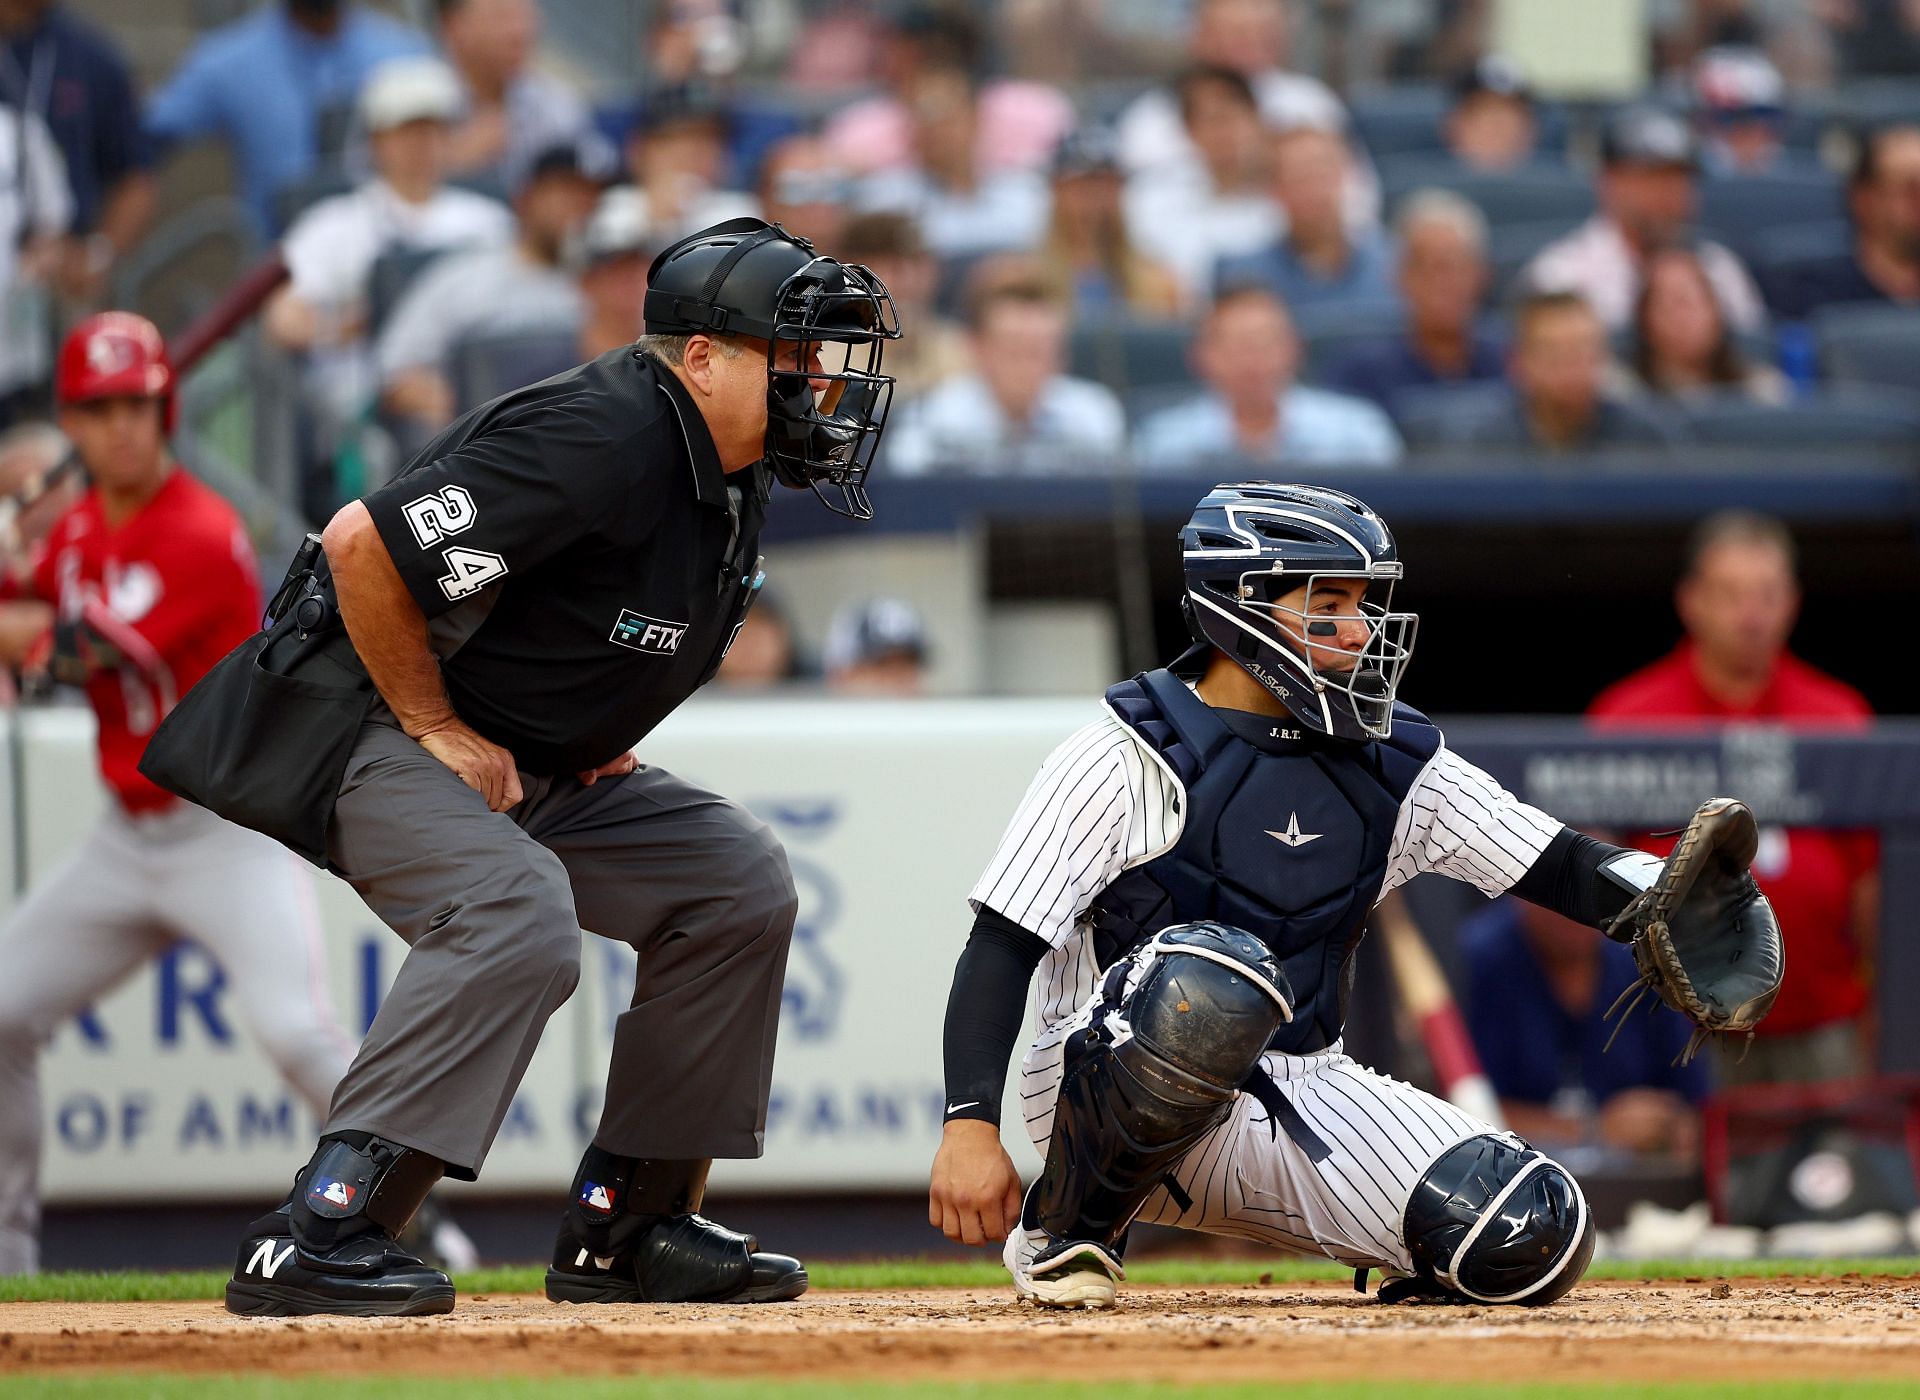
x=1647, y=136
x=873, y=629
x=1496, y=74
x=617, y=227
x=1731, y=82
x=1087, y=150
x=409, y=90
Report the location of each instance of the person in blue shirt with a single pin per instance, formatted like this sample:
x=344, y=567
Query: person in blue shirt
x=1320, y=261
x=268, y=84
x=1538, y=988
x=70, y=75
x=1443, y=279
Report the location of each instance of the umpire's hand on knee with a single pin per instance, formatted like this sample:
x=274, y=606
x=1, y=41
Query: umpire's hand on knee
x=975, y=1195
x=482, y=765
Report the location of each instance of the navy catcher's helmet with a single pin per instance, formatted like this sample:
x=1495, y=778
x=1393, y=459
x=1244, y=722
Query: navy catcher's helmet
x=751, y=278
x=1248, y=548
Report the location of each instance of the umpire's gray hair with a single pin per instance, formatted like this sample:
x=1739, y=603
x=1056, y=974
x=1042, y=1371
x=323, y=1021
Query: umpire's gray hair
x=672, y=349
x=1449, y=210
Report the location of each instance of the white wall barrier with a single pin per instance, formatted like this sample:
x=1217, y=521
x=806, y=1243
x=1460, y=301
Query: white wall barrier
x=888, y=813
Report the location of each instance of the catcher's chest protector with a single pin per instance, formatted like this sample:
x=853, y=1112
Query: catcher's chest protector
x=1290, y=845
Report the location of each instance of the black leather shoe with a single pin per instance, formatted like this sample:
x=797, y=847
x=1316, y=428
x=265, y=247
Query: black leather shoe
x=365, y=1276
x=673, y=1259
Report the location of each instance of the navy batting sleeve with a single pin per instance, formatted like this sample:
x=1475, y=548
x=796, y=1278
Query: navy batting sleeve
x=985, y=1011
x=1585, y=880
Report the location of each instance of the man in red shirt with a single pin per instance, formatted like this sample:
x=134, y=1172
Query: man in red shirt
x=1738, y=600
x=135, y=592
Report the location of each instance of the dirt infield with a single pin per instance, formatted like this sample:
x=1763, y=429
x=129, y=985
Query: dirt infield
x=1773, y=1329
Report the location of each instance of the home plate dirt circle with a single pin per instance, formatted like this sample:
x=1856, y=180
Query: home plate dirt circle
x=1702, y=1329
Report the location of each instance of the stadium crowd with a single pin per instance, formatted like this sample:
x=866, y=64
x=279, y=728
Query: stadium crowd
x=1216, y=259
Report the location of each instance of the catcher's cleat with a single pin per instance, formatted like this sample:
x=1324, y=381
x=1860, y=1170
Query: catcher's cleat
x=366, y=1275
x=672, y=1259
x=1061, y=1274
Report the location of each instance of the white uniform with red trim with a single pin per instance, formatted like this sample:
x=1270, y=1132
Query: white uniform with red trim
x=172, y=589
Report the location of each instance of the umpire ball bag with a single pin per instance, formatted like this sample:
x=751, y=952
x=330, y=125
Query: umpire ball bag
x=263, y=739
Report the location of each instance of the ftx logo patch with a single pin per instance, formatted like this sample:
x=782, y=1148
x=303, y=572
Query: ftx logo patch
x=639, y=633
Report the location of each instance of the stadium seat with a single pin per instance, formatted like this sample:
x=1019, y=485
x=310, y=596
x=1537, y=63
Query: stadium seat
x=1868, y=343
x=1128, y=354
x=1856, y=417
x=1512, y=246
x=291, y=201
x=1441, y=415
x=487, y=366
x=392, y=274
x=1538, y=193
x=1740, y=210
x=1870, y=102
x=1401, y=119
x=1330, y=334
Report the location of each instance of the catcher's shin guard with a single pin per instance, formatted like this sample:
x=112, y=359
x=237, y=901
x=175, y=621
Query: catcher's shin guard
x=1494, y=1221
x=1132, y=1105
x=633, y=1235
x=330, y=1248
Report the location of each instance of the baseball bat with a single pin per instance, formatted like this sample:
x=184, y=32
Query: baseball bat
x=1443, y=1030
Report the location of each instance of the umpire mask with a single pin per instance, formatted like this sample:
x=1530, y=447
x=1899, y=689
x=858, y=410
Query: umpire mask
x=829, y=320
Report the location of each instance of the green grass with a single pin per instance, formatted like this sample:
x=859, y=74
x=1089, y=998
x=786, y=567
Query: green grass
x=162, y=1386
x=946, y=1273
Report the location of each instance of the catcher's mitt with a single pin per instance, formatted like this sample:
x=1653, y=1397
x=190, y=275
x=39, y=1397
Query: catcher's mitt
x=1704, y=937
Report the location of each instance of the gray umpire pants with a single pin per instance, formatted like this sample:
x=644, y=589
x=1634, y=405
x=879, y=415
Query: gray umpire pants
x=492, y=905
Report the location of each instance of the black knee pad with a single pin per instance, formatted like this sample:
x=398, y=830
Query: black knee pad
x=1494, y=1221
x=1199, y=1018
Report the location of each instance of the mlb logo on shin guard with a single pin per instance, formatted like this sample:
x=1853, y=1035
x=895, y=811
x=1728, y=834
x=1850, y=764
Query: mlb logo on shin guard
x=598, y=1198
x=637, y=632
x=337, y=1194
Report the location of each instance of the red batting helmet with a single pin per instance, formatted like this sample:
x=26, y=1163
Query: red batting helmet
x=115, y=354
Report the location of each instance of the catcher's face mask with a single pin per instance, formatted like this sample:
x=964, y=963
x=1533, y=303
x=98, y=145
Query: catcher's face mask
x=1338, y=647
x=827, y=398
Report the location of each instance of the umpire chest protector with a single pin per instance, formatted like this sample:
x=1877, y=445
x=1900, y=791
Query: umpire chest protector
x=1289, y=842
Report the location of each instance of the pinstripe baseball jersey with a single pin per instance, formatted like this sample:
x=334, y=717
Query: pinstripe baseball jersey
x=1106, y=803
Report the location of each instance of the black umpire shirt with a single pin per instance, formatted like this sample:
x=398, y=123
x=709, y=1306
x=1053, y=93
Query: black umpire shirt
x=582, y=557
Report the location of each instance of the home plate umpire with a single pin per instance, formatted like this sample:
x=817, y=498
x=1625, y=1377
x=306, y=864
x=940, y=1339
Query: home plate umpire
x=441, y=709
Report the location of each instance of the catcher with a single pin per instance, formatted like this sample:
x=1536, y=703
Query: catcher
x=1195, y=868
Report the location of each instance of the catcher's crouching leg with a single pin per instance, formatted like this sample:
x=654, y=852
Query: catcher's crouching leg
x=1494, y=1221
x=1133, y=1103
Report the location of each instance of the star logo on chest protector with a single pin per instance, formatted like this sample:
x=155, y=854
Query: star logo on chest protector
x=1293, y=835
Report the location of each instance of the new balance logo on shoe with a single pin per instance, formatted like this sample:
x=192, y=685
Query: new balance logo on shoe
x=265, y=1262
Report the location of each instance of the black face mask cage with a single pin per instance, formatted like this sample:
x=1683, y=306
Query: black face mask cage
x=829, y=441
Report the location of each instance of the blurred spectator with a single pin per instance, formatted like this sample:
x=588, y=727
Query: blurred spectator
x=804, y=188
x=1538, y=989
x=677, y=157
x=1682, y=346
x=35, y=212
x=1219, y=204
x=879, y=648
x=73, y=77
x=1018, y=122
x=1647, y=200
x=1883, y=197
x=1874, y=38
x=964, y=206
x=331, y=249
x=1492, y=125
x=764, y=652
x=1558, y=370
x=1319, y=260
x=1793, y=34
x=1443, y=278
x=1088, y=248
x=523, y=285
x=274, y=83
x=1017, y=410
x=1738, y=599
x=511, y=113
x=615, y=249
x=931, y=348
x=1252, y=412
x=1252, y=38
x=1740, y=101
